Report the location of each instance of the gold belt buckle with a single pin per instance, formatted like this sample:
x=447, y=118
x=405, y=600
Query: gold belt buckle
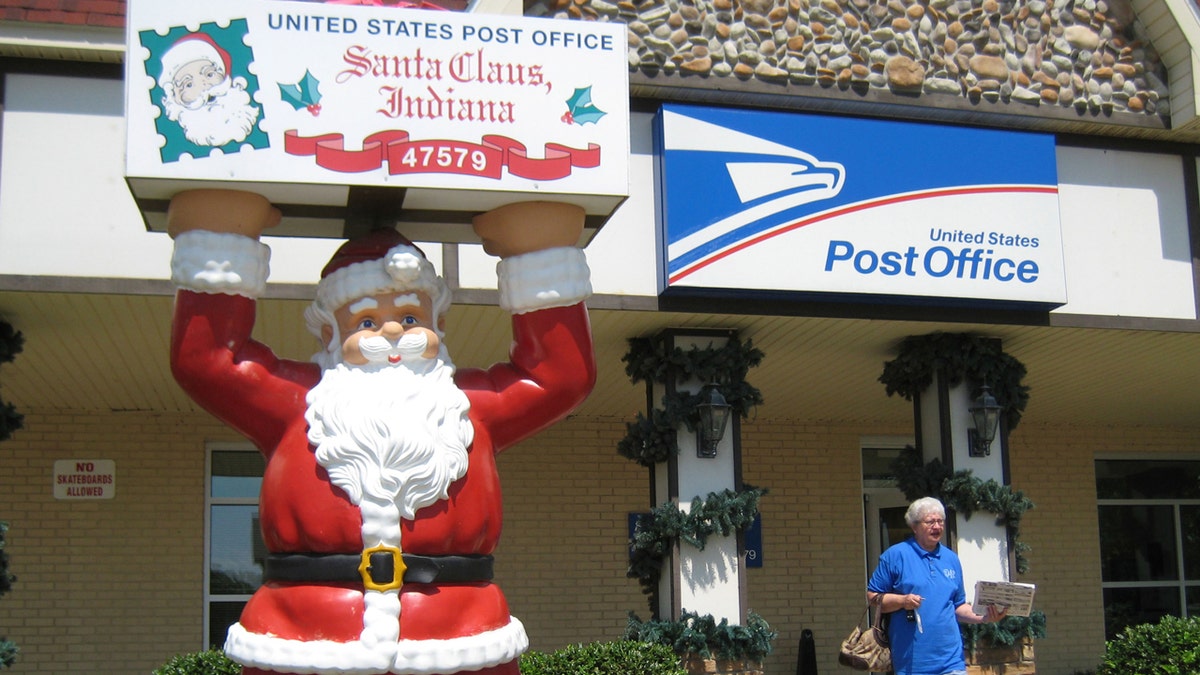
x=373, y=576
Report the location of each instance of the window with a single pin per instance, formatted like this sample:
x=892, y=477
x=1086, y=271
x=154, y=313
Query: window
x=234, y=549
x=1149, y=515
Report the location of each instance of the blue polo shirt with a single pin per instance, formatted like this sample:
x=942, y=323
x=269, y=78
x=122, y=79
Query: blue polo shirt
x=937, y=577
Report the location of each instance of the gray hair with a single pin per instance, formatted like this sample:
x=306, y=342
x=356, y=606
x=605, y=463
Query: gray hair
x=921, y=508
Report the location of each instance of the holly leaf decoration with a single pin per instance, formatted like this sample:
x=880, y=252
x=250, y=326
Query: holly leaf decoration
x=580, y=109
x=305, y=94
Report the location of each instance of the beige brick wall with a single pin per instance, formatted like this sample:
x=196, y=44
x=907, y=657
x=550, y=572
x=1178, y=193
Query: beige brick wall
x=1054, y=466
x=110, y=586
x=116, y=586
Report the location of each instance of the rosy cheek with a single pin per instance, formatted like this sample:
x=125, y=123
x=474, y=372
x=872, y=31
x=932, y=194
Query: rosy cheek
x=431, y=349
x=351, y=353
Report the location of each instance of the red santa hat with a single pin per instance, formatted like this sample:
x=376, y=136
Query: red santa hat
x=380, y=262
x=193, y=47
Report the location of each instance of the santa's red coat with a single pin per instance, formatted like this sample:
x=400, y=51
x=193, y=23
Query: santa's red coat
x=240, y=381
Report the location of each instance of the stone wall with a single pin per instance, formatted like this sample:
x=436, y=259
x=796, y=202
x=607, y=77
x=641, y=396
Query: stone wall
x=1030, y=55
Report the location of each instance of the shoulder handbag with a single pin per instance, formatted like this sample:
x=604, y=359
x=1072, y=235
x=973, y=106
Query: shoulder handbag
x=867, y=649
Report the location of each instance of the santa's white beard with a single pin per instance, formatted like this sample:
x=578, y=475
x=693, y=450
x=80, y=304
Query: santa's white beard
x=389, y=434
x=227, y=117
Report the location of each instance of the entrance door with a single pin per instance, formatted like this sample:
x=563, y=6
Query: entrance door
x=883, y=509
x=883, y=503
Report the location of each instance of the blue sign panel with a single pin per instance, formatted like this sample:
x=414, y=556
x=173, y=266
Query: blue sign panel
x=828, y=205
x=752, y=536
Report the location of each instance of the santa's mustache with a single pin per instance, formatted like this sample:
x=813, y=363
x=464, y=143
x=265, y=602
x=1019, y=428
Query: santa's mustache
x=378, y=349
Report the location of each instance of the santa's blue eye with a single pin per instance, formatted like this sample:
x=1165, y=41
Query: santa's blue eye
x=410, y=320
x=366, y=324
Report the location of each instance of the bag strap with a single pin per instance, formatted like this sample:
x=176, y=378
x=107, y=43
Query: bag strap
x=878, y=611
x=864, y=614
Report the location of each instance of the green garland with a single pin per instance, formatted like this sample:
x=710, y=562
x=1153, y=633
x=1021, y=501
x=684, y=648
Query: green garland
x=653, y=439
x=1005, y=632
x=961, y=491
x=704, y=636
x=11, y=343
x=721, y=513
x=961, y=356
x=976, y=359
x=649, y=360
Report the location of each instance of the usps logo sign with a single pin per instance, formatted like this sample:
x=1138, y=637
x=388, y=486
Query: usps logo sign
x=303, y=101
x=830, y=207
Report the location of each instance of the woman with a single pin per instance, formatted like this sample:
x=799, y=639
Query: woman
x=922, y=582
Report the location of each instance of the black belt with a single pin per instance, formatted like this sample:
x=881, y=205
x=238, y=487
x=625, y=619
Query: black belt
x=376, y=568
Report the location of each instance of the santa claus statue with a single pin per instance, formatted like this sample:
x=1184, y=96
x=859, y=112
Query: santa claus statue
x=380, y=503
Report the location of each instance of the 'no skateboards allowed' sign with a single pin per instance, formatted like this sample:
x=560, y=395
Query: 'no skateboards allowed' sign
x=349, y=117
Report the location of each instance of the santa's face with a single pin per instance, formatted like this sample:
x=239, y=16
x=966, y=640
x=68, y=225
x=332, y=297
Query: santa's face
x=386, y=328
x=194, y=80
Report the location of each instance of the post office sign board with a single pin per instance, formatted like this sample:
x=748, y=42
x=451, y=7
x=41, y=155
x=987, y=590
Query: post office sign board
x=350, y=113
x=834, y=208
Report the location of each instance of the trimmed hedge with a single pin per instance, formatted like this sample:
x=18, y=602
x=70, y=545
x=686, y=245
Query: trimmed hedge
x=211, y=662
x=623, y=657
x=1169, y=647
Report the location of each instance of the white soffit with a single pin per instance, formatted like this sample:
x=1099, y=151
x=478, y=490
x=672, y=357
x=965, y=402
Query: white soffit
x=1173, y=27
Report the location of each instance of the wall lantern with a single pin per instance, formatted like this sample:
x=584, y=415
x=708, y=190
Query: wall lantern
x=713, y=413
x=985, y=411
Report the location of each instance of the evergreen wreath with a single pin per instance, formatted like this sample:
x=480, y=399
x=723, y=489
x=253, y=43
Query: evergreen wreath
x=652, y=439
x=960, y=356
x=11, y=343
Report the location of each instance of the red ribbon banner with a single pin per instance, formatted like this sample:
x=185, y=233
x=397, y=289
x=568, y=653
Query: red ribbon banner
x=406, y=156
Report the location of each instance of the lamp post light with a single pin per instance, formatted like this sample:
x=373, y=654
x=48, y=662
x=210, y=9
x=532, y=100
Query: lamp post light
x=985, y=411
x=713, y=412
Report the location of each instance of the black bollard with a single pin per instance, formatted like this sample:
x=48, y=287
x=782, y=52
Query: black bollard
x=806, y=660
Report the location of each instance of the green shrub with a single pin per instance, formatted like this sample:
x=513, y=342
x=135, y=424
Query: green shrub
x=8, y=653
x=8, y=648
x=1169, y=647
x=624, y=657
x=211, y=662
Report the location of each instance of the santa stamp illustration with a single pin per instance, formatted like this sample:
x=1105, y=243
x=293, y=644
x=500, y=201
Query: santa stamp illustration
x=380, y=503
x=204, y=93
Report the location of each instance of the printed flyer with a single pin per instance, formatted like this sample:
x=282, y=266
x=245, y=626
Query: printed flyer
x=328, y=109
x=1016, y=597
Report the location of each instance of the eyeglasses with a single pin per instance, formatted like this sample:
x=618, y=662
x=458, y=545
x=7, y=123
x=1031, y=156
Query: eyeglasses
x=933, y=521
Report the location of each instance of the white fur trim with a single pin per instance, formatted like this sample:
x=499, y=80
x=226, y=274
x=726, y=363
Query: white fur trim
x=187, y=50
x=402, y=269
x=411, y=657
x=220, y=262
x=555, y=277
